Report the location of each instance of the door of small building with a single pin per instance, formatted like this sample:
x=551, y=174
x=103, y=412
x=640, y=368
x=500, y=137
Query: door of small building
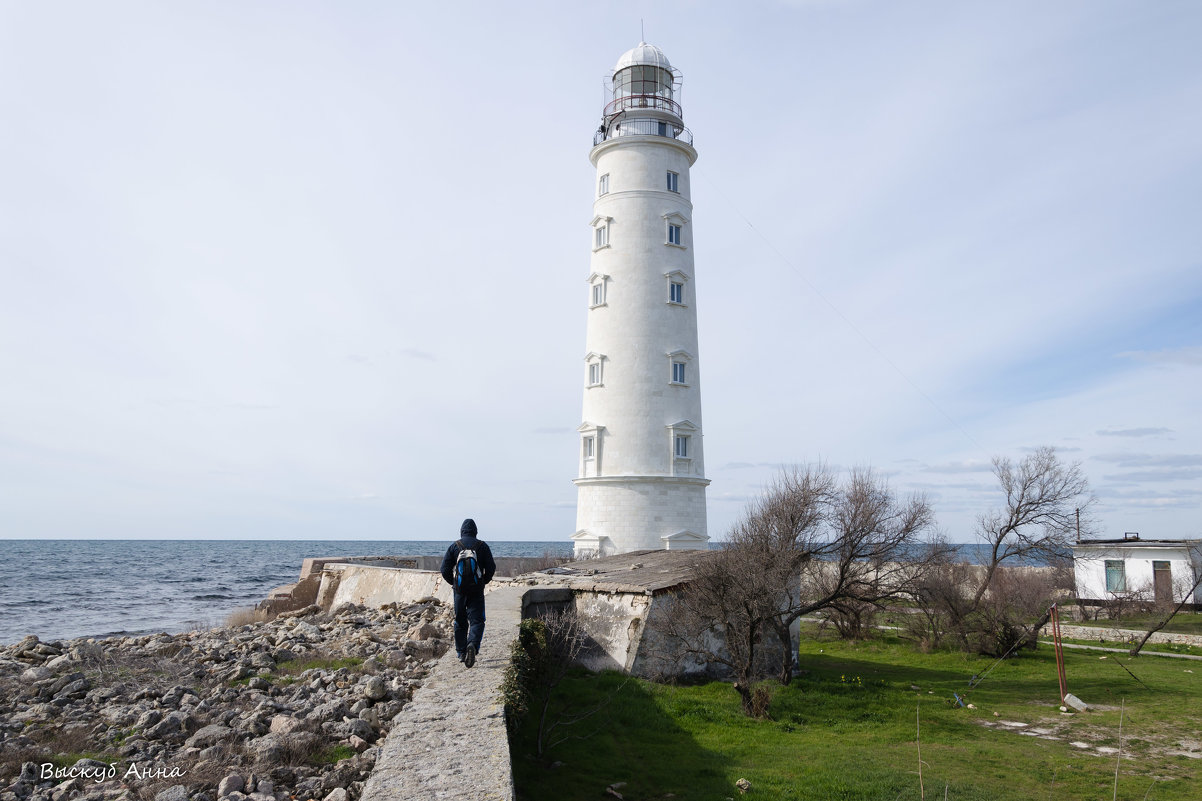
x=1162, y=582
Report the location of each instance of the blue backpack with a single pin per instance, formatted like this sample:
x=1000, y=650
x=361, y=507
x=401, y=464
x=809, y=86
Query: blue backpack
x=469, y=575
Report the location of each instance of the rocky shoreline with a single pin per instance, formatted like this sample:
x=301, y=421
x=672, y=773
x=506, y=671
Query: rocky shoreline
x=291, y=708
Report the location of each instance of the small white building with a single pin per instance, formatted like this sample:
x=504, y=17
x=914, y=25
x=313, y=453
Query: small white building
x=1147, y=570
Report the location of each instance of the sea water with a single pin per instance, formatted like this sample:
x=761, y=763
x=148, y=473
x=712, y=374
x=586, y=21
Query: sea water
x=59, y=589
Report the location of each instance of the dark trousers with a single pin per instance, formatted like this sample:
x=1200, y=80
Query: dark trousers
x=469, y=621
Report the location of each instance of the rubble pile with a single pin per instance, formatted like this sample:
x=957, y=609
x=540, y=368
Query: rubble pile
x=291, y=708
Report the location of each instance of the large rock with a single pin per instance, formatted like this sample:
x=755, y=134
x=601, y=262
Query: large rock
x=262, y=661
x=375, y=689
x=425, y=631
x=210, y=735
x=332, y=710
x=274, y=748
x=232, y=783
x=422, y=650
x=283, y=724
x=307, y=631
x=178, y=792
x=36, y=674
x=357, y=727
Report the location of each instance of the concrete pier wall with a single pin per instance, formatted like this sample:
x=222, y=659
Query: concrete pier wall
x=375, y=586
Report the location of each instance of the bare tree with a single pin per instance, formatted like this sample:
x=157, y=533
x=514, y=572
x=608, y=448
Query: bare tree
x=1044, y=499
x=807, y=544
x=721, y=616
x=1184, y=588
x=991, y=612
x=867, y=553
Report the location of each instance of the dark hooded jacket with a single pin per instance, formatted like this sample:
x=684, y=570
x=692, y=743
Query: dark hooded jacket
x=468, y=539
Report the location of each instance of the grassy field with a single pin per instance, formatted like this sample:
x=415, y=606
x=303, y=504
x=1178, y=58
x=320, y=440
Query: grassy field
x=1182, y=622
x=846, y=729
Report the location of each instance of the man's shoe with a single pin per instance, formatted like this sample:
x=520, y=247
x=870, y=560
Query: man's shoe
x=469, y=658
x=459, y=657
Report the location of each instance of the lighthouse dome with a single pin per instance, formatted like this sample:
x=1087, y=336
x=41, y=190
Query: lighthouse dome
x=643, y=55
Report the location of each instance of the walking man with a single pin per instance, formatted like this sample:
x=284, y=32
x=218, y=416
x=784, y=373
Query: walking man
x=467, y=567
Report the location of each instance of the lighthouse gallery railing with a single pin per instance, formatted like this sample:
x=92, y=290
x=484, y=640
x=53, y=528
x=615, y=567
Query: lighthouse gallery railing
x=642, y=127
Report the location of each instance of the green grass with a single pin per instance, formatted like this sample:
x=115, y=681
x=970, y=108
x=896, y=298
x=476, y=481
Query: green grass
x=294, y=667
x=288, y=671
x=845, y=729
x=333, y=754
x=1182, y=623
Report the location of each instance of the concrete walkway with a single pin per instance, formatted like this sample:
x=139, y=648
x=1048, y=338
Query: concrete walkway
x=1122, y=650
x=449, y=743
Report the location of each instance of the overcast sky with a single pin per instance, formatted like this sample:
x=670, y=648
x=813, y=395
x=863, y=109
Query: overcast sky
x=317, y=270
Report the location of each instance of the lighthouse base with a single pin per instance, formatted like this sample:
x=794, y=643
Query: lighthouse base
x=616, y=514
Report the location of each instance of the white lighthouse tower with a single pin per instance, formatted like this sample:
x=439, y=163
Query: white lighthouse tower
x=641, y=481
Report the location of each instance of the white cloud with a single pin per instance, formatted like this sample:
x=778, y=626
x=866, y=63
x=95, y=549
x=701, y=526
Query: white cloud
x=1134, y=432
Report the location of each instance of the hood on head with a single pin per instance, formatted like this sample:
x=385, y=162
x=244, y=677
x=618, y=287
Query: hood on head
x=468, y=529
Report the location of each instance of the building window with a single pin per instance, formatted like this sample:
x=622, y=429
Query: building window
x=591, y=444
x=595, y=374
x=682, y=447
x=603, y=185
x=676, y=281
x=681, y=459
x=600, y=226
x=677, y=370
x=1116, y=575
x=675, y=222
x=598, y=287
x=673, y=182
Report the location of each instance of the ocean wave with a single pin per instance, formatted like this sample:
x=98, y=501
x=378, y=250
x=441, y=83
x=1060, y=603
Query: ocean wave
x=25, y=603
x=212, y=597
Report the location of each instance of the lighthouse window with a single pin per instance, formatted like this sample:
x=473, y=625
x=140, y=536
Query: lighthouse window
x=673, y=182
x=603, y=185
x=681, y=447
x=602, y=236
x=598, y=294
x=589, y=447
x=594, y=374
x=675, y=293
x=678, y=373
x=673, y=235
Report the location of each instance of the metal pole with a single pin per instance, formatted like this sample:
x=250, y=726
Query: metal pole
x=1060, y=677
